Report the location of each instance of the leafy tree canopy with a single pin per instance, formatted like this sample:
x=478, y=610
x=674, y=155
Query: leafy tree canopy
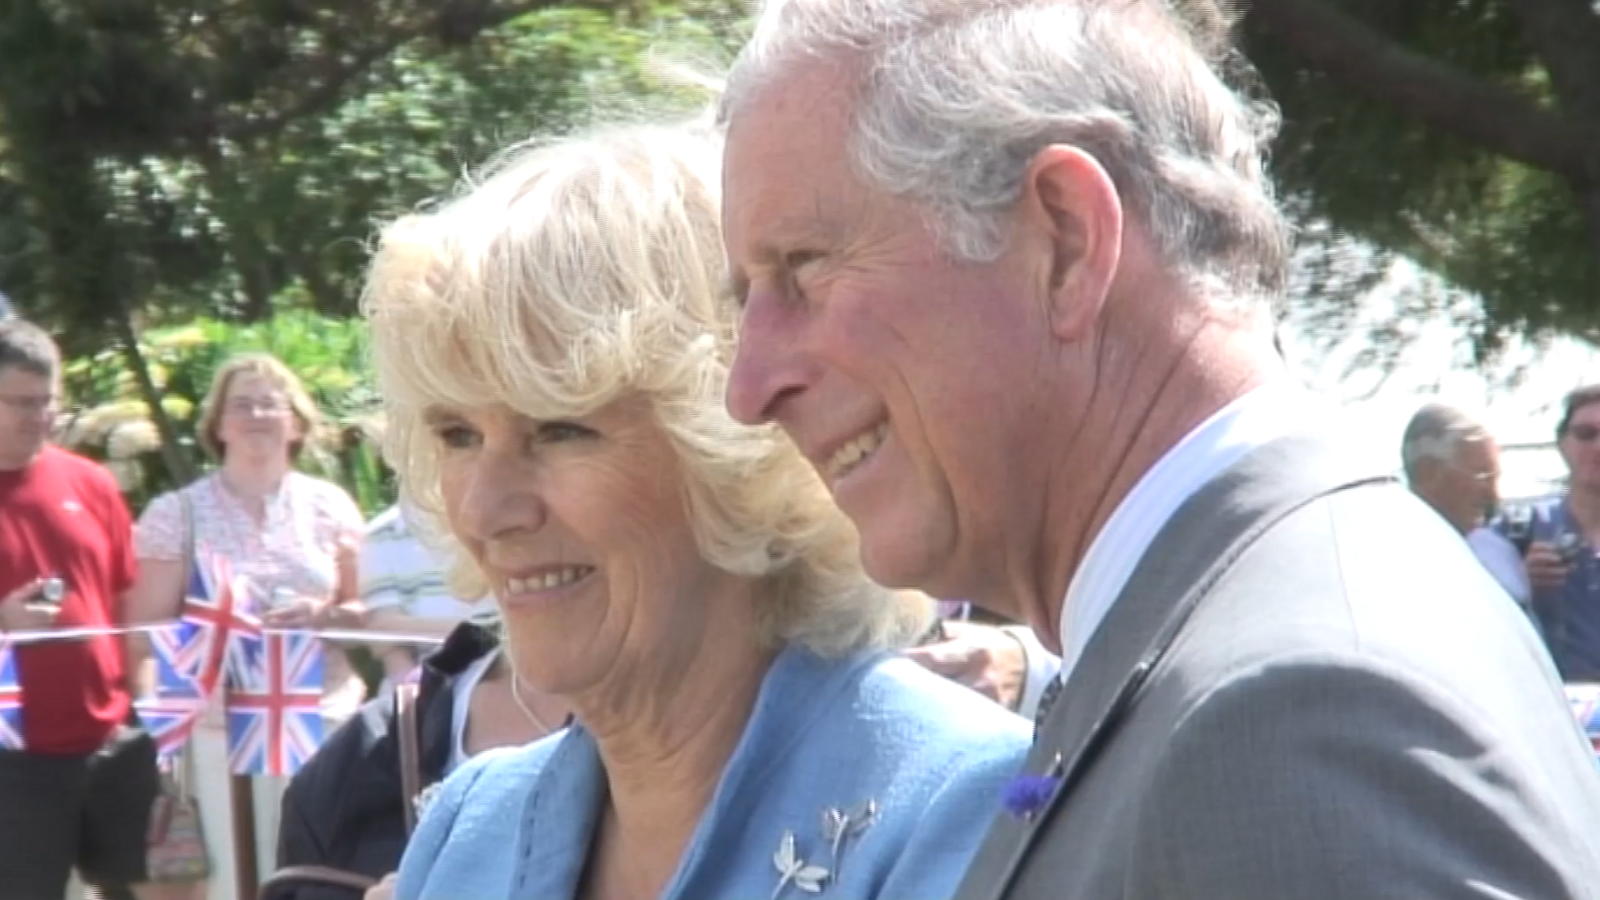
x=1464, y=134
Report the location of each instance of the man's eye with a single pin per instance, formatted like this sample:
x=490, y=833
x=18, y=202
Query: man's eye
x=801, y=264
x=799, y=267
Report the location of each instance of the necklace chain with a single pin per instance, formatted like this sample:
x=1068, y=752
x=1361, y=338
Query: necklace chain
x=516, y=697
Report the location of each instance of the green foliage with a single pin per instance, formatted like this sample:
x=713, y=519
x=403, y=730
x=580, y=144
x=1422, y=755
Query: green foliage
x=234, y=161
x=236, y=212
x=1364, y=161
x=226, y=226
x=110, y=422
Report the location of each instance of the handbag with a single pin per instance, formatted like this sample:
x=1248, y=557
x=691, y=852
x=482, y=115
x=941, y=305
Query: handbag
x=279, y=883
x=175, y=844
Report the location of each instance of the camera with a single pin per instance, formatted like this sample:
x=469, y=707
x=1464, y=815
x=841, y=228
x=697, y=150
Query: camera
x=52, y=590
x=1570, y=547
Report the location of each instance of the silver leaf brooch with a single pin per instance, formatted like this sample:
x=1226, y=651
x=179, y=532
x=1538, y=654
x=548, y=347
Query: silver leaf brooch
x=838, y=828
x=424, y=797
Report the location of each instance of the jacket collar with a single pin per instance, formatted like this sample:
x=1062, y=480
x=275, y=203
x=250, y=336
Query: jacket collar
x=466, y=644
x=1192, y=551
x=566, y=800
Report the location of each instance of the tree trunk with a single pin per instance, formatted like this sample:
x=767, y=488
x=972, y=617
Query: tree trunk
x=178, y=463
x=249, y=256
x=86, y=278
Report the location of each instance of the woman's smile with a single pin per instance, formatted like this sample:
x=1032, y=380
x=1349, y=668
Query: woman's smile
x=544, y=584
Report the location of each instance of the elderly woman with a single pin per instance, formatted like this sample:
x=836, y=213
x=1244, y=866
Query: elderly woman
x=553, y=345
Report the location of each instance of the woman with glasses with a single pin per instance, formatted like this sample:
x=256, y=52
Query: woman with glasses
x=293, y=538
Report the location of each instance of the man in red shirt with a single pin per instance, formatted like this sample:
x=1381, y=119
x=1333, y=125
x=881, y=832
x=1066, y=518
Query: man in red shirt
x=78, y=793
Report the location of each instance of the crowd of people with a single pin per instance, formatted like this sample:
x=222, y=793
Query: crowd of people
x=1536, y=551
x=692, y=419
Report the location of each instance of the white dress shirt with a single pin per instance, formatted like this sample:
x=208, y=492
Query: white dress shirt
x=1251, y=421
x=1501, y=558
x=1042, y=667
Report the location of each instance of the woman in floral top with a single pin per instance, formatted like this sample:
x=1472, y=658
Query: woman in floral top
x=294, y=538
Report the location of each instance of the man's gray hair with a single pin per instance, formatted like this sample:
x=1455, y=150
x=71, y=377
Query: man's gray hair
x=1437, y=432
x=958, y=96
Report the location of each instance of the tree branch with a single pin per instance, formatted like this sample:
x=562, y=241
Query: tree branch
x=1567, y=35
x=1503, y=120
x=326, y=79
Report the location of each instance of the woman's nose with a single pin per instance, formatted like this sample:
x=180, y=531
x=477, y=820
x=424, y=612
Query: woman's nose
x=501, y=500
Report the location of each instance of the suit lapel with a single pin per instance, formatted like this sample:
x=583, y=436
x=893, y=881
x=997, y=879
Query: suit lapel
x=1189, y=554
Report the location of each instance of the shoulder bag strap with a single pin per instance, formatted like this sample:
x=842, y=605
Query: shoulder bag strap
x=181, y=762
x=189, y=562
x=405, y=699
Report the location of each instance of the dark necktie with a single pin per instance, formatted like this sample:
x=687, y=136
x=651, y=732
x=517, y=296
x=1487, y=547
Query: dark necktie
x=1046, y=701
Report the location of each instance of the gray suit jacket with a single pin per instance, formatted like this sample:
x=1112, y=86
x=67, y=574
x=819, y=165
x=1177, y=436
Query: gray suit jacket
x=1353, y=709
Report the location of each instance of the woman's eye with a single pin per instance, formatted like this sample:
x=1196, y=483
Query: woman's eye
x=560, y=432
x=456, y=437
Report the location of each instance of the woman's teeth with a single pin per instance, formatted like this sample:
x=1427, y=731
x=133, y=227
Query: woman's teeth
x=552, y=579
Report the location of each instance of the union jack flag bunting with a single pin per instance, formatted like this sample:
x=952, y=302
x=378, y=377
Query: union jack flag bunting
x=212, y=623
x=192, y=655
x=170, y=721
x=180, y=652
x=1585, y=700
x=10, y=699
x=275, y=710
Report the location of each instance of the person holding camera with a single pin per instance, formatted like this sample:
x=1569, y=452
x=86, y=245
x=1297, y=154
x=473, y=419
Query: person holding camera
x=78, y=790
x=1559, y=536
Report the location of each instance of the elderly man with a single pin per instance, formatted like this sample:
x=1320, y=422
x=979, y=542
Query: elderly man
x=1005, y=270
x=1453, y=463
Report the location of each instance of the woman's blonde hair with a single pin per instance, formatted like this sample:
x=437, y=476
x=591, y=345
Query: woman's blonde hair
x=274, y=372
x=579, y=271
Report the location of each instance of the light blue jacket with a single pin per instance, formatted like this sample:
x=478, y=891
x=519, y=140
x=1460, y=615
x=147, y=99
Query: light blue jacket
x=912, y=765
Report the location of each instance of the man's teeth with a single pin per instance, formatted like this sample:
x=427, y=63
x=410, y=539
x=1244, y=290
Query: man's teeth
x=548, y=580
x=851, y=454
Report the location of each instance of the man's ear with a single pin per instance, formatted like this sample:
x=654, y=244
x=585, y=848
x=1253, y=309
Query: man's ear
x=1423, y=473
x=1070, y=198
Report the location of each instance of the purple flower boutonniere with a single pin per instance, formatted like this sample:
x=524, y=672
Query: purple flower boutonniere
x=1026, y=795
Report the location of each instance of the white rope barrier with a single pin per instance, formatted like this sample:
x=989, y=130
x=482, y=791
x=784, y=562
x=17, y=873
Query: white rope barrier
x=350, y=635
x=68, y=634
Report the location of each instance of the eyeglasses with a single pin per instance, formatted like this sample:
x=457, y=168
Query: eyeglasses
x=34, y=405
x=1584, y=434
x=265, y=407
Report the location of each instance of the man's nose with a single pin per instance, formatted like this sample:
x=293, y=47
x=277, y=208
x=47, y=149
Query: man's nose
x=768, y=366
